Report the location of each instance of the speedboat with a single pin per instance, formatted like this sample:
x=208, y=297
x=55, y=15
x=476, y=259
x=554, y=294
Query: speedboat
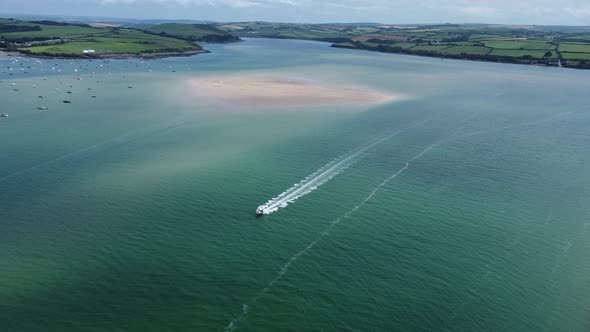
x=260, y=211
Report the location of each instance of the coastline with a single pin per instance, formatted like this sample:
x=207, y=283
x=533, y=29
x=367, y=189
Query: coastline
x=503, y=60
x=157, y=55
x=8, y=53
x=472, y=57
x=160, y=55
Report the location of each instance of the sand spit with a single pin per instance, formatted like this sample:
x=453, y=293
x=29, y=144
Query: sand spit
x=251, y=90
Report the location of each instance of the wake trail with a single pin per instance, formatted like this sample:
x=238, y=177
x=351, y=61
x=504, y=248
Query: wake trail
x=233, y=324
x=149, y=131
x=312, y=182
x=323, y=175
x=284, y=269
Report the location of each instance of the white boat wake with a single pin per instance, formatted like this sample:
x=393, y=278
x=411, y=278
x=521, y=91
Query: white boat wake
x=285, y=268
x=319, y=177
x=311, y=182
x=233, y=324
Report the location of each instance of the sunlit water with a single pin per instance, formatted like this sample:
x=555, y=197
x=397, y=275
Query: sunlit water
x=134, y=210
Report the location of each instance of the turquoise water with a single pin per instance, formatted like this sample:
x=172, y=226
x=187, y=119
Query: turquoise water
x=134, y=210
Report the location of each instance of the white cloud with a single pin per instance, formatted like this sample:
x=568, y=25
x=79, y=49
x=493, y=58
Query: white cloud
x=211, y=3
x=478, y=10
x=385, y=11
x=106, y=2
x=579, y=12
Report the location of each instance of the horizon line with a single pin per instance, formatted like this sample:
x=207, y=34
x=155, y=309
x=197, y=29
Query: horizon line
x=2, y=15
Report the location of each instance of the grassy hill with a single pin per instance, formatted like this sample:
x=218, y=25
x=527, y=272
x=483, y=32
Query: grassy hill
x=569, y=46
x=191, y=32
x=319, y=32
x=61, y=39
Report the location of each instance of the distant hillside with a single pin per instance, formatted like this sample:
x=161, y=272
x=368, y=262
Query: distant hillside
x=540, y=45
x=48, y=38
x=192, y=32
x=90, y=20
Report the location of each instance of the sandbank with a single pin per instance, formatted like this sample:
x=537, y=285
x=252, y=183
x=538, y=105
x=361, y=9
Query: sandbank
x=256, y=90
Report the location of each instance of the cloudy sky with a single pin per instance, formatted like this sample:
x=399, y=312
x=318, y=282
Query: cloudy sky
x=566, y=12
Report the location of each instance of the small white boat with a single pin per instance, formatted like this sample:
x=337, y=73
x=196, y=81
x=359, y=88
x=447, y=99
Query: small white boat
x=4, y=115
x=260, y=210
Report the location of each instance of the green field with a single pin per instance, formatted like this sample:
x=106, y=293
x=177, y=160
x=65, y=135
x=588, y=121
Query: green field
x=191, y=32
x=71, y=40
x=49, y=31
x=539, y=54
x=467, y=43
x=404, y=45
x=429, y=48
x=187, y=30
x=325, y=32
x=467, y=50
x=370, y=44
x=121, y=41
x=576, y=56
x=482, y=37
x=580, y=48
x=515, y=45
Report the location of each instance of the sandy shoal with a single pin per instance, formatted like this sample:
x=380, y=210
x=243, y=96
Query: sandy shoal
x=253, y=90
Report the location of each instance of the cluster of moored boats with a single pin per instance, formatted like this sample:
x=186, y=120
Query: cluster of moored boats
x=28, y=65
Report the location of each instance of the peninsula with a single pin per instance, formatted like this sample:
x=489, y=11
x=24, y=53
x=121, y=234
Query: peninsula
x=66, y=40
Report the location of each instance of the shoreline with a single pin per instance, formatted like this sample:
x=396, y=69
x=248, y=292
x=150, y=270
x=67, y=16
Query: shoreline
x=500, y=60
x=8, y=53
x=157, y=55
x=160, y=55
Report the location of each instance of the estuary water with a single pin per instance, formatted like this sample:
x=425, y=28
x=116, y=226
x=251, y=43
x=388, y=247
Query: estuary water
x=464, y=206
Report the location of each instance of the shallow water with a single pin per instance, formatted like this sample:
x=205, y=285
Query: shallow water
x=134, y=210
